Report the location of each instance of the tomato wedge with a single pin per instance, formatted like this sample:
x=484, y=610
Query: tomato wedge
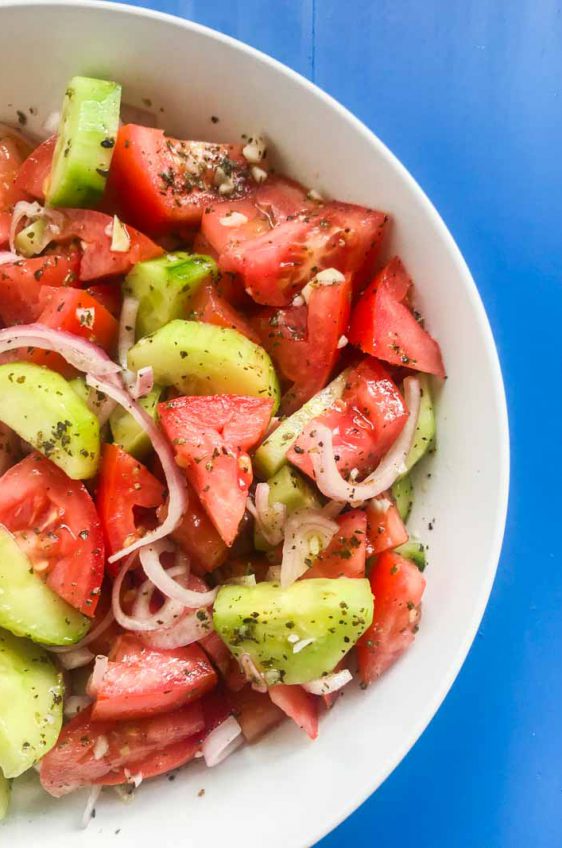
x=33, y=174
x=125, y=487
x=140, y=681
x=5, y=225
x=299, y=705
x=385, y=327
x=171, y=757
x=11, y=159
x=345, y=555
x=90, y=751
x=304, y=340
x=197, y=536
x=55, y=522
x=210, y=307
x=163, y=184
x=256, y=713
x=276, y=265
x=211, y=436
x=397, y=586
x=109, y=295
x=21, y=284
x=386, y=530
x=364, y=423
x=224, y=662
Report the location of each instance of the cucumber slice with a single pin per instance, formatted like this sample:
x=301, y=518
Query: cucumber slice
x=271, y=455
x=125, y=430
x=87, y=133
x=203, y=359
x=291, y=489
x=4, y=796
x=32, y=240
x=415, y=550
x=164, y=287
x=425, y=428
x=28, y=607
x=44, y=410
x=403, y=494
x=31, y=695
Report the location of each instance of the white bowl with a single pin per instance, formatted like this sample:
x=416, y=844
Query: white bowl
x=286, y=791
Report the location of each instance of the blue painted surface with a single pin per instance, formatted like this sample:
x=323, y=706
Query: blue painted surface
x=468, y=95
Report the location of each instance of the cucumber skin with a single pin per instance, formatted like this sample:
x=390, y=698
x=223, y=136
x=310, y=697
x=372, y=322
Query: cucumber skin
x=46, y=411
x=403, y=493
x=414, y=550
x=90, y=109
x=271, y=455
x=125, y=430
x=424, y=435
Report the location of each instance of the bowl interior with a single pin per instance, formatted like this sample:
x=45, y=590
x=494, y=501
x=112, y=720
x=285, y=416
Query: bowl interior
x=286, y=789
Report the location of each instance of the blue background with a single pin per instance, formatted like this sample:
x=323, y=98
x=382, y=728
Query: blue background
x=467, y=93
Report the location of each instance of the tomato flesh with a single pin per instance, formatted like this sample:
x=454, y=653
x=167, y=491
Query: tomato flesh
x=299, y=705
x=365, y=423
x=397, y=586
x=141, y=681
x=164, y=184
x=198, y=537
x=90, y=751
x=109, y=295
x=385, y=327
x=10, y=161
x=34, y=173
x=21, y=284
x=386, y=530
x=256, y=713
x=55, y=522
x=211, y=436
x=345, y=555
x=210, y=307
x=124, y=486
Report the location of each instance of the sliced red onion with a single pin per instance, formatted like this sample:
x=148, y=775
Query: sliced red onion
x=7, y=257
x=93, y=634
x=328, y=478
x=166, y=616
x=23, y=209
x=77, y=658
x=155, y=571
x=100, y=667
x=75, y=704
x=90, y=805
x=84, y=355
x=144, y=381
x=328, y=684
x=270, y=518
x=127, y=323
x=178, y=501
x=100, y=405
x=307, y=533
x=253, y=674
x=222, y=741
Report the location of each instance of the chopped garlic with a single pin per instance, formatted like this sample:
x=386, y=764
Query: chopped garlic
x=314, y=195
x=342, y=342
x=329, y=276
x=293, y=638
x=298, y=646
x=101, y=747
x=298, y=300
x=258, y=174
x=120, y=238
x=233, y=219
x=255, y=150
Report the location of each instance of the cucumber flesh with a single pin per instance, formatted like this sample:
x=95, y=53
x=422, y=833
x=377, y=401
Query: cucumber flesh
x=125, y=430
x=425, y=428
x=31, y=695
x=28, y=607
x=403, y=493
x=287, y=487
x=43, y=409
x=267, y=623
x=87, y=133
x=415, y=550
x=272, y=453
x=4, y=796
x=164, y=287
x=203, y=359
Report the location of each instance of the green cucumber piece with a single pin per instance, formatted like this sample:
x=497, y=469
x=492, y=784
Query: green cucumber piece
x=87, y=133
x=204, y=359
x=425, y=428
x=125, y=430
x=403, y=493
x=44, y=410
x=32, y=240
x=415, y=550
x=164, y=287
x=28, y=607
x=31, y=695
x=271, y=455
x=263, y=621
x=291, y=489
x=5, y=791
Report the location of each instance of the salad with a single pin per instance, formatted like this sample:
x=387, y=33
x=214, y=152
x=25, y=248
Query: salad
x=212, y=393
